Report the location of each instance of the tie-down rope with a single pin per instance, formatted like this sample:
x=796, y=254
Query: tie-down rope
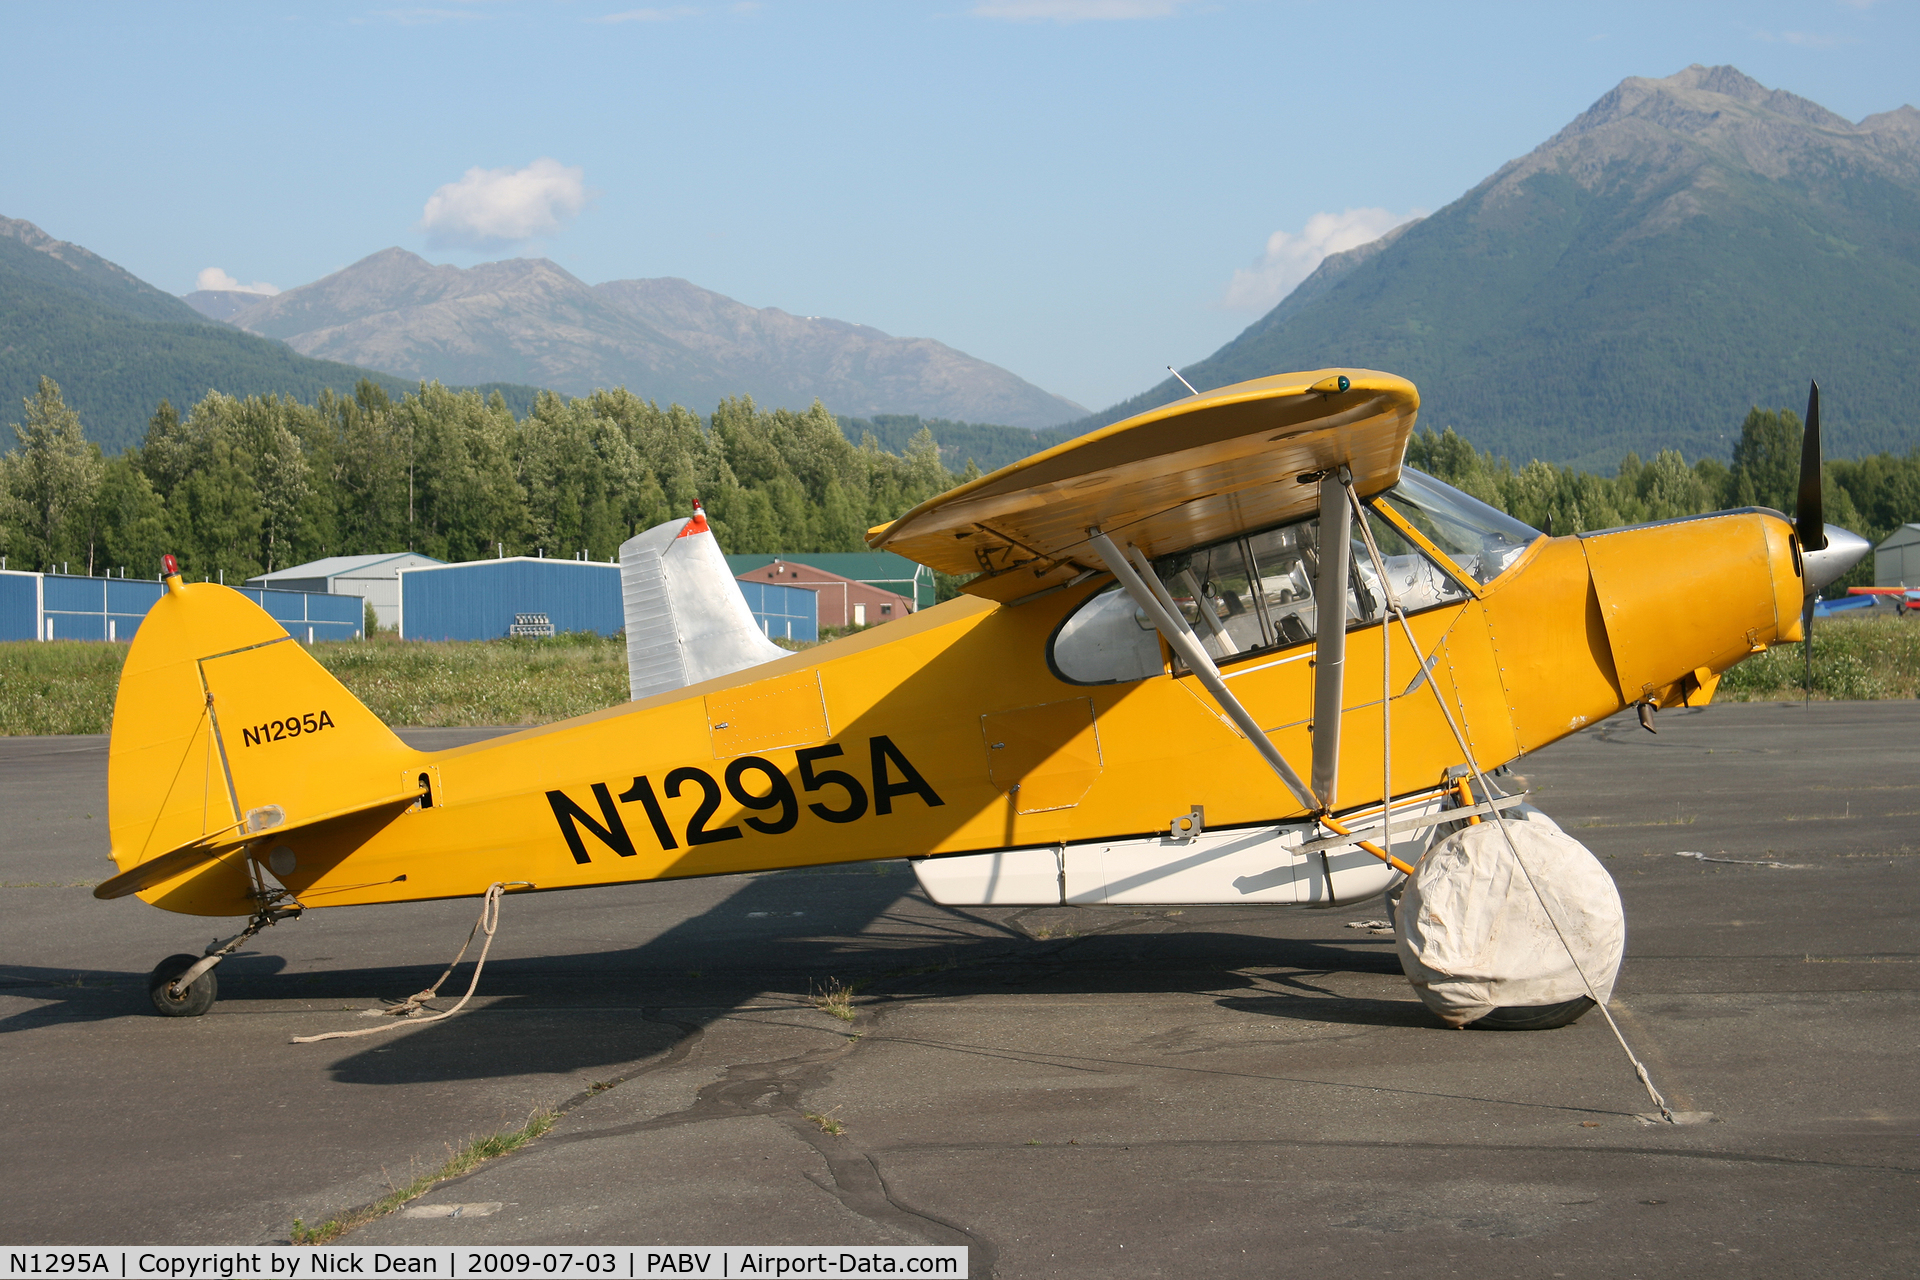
x=1498, y=816
x=411, y=1008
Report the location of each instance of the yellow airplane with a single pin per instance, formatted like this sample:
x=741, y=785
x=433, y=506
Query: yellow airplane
x=1133, y=701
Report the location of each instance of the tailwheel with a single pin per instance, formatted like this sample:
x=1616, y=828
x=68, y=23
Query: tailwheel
x=194, y=1000
x=183, y=986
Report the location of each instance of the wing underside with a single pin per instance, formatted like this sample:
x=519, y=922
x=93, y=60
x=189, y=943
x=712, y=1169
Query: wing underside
x=1186, y=474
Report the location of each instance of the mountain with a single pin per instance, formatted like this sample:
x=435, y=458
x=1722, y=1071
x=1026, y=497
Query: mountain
x=986, y=445
x=521, y=321
x=220, y=304
x=1687, y=248
x=117, y=346
x=529, y=320
x=853, y=368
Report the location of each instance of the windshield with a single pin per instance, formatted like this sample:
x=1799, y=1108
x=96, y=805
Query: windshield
x=1482, y=540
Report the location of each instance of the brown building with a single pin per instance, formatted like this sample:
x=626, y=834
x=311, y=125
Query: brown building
x=843, y=602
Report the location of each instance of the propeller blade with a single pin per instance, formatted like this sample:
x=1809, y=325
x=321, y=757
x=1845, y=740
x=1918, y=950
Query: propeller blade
x=1808, y=519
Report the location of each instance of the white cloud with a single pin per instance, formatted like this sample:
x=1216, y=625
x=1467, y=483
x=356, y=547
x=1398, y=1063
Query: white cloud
x=673, y=14
x=499, y=206
x=1064, y=11
x=215, y=279
x=1292, y=256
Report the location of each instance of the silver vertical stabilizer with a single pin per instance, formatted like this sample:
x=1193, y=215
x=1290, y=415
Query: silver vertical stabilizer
x=686, y=619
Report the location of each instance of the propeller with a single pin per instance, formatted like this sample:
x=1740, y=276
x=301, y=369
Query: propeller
x=1808, y=518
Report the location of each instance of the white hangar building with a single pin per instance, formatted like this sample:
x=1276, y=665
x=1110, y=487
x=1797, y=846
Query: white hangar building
x=374, y=578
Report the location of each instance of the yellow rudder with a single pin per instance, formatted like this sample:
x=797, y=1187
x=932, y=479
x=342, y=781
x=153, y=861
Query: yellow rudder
x=225, y=731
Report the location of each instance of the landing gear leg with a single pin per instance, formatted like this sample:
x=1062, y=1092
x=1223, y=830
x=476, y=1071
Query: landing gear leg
x=184, y=986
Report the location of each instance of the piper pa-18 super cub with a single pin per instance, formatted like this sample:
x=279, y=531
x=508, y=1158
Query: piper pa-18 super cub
x=1137, y=700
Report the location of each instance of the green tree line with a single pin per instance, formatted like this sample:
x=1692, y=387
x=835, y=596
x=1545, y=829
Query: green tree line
x=1872, y=496
x=245, y=486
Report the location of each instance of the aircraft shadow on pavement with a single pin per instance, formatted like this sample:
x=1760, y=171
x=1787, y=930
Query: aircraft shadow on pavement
x=1347, y=1011
x=565, y=1013
x=93, y=995
x=781, y=935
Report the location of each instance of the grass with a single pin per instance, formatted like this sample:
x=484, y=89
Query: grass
x=826, y=1121
x=481, y=682
x=835, y=998
x=69, y=686
x=61, y=686
x=469, y=1157
x=1854, y=660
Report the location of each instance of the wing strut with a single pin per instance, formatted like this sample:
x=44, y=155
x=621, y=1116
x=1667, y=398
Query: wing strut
x=1144, y=585
x=1330, y=629
x=1138, y=580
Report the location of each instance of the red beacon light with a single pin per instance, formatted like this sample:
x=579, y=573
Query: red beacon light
x=169, y=566
x=697, y=524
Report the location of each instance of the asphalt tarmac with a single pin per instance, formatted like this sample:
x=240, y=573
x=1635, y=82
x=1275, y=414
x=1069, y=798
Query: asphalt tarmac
x=1099, y=1092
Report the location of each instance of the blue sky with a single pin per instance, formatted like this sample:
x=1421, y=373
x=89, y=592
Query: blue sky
x=1082, y=191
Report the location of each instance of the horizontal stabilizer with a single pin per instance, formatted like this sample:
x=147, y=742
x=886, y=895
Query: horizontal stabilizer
x=179, y=862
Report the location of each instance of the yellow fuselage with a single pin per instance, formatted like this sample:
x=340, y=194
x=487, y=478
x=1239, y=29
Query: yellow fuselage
x=949, y=732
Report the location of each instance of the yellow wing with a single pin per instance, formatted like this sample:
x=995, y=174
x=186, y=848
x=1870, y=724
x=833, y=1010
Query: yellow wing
x=1183, y=475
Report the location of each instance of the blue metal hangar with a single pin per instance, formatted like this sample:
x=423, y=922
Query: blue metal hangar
x=486, y=599
x=533, y=596
x=58, y=606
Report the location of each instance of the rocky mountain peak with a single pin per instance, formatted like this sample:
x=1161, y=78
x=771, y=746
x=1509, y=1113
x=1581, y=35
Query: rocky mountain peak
x=1688, y=247
x=1691, y=128
x=1697, y=102
x=68, y=266
x=530, y=320
x=66, y=251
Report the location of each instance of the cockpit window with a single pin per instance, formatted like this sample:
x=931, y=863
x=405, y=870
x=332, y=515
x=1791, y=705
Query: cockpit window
x=1107, y=640
x=1482, y=540
x=1245, y=596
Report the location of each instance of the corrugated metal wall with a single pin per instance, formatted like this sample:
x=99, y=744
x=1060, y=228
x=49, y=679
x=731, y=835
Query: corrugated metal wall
x=477, y=600
x=1896, y=562
x=312, y=617
x=19, y=606
x=78, y=608
x=784, y=613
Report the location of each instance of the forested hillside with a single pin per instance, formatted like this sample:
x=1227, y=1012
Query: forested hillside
x=241, y=486
x=1872, y=496
x=118, y=346
x=987, y=446
x=1685, y=249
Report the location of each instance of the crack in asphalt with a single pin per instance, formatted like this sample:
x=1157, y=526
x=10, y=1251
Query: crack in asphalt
x=776, y=1090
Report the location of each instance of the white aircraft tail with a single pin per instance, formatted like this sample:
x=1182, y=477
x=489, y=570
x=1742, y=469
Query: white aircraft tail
x=686, y=618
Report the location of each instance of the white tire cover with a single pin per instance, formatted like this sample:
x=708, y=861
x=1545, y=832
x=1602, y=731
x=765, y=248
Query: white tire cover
x=1472, y=935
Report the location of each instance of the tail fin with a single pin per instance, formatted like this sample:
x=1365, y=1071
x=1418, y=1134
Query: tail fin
x=686, y=619
x=224, y=729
